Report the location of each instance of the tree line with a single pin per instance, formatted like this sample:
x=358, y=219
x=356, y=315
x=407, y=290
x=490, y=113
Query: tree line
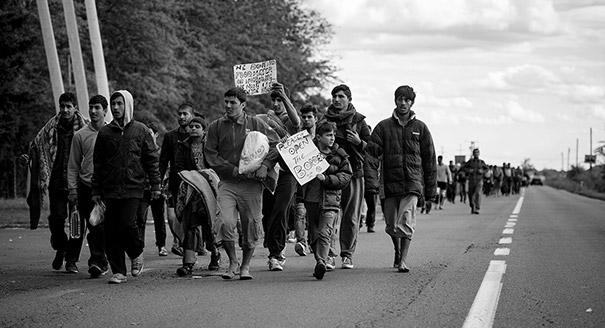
x=164, y=52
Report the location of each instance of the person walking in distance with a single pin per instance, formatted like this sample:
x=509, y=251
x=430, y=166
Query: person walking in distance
x=238, y=195
x=409, y=168
x=79, y=182
x=475, y=169
x=125, y=153
x=352, y=135
x=444, y=178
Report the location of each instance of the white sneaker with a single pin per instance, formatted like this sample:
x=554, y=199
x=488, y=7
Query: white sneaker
x=274, y=265
x=300, y=249
x=136, y=265
x=117, y=278
x=347, y=263
x=330, y=263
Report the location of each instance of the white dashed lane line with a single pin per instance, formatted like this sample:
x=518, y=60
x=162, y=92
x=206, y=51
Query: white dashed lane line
x=483, y=310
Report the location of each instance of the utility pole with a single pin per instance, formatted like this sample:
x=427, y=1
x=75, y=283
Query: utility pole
x=75, y=51
x=590, y=163
x=97, y=52
x=562, y=163
x=577, y=146
x=50, y=47
x=568, y=152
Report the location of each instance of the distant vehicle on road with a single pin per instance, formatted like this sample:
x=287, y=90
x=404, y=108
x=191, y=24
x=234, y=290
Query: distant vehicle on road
x=538, y=180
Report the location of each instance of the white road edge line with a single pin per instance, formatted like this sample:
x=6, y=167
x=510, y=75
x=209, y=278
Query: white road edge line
x=483, y=310
x=505, y=240
x=518, y=206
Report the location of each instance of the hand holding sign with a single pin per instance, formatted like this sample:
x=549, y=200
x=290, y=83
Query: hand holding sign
x=302, y=157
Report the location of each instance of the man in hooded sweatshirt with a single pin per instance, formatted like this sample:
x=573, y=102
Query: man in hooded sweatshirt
x=124, y=153
x=352, y=135
x=409, y=170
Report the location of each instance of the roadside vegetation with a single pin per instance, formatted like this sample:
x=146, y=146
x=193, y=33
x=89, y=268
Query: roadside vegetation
x=590, y=183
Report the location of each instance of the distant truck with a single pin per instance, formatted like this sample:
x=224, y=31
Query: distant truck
x=537, y=180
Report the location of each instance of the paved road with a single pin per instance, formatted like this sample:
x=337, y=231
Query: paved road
x=553, y=278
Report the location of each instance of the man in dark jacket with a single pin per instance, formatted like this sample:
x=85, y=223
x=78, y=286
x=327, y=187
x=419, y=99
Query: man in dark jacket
x=124, y=153
x=168, y=158
x=475, y=168
x=352, y=135
x=409, y=170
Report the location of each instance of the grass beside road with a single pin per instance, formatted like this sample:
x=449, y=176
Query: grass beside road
x=15, y=213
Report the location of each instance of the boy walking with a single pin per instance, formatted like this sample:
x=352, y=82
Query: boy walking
x=322, y=195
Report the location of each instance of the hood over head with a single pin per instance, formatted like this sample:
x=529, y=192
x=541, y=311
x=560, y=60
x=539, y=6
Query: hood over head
x=128, y=105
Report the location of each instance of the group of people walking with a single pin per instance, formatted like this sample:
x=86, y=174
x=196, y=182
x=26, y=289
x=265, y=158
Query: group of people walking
x=475, y=178
x=196, y=180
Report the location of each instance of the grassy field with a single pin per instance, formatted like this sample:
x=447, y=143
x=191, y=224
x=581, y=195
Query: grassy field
x=15, y=213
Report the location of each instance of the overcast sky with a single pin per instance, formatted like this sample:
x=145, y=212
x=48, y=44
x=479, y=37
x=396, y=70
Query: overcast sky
x=521, y=78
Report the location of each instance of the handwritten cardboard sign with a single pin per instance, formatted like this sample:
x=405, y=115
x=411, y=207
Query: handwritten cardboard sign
x=302, y=157
x=256, y=78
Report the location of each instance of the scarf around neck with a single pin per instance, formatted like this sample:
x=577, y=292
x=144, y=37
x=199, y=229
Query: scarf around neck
x=341, y=116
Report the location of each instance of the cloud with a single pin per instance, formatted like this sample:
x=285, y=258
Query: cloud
x=527, y=77
x=520, y=114
x=599, y=111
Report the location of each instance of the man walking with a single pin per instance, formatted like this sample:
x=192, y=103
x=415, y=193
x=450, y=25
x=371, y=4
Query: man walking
x=475, y=168
x=125, y=153
x=48, y=157
x=352, y=135
x=408, y=161
x=79, y=181
x=238, y=195
x=444, y=178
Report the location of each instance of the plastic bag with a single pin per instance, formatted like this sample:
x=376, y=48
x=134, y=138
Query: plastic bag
x=256, y=147
x=97, y=215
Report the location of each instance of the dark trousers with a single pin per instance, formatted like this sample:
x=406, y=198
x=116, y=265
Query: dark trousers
x=276, y=213
x=474, y=192
x=96, y=234
x=157, y=212
x=59, y=241
x=370, y=199
x=121, y=232
x=321, y=228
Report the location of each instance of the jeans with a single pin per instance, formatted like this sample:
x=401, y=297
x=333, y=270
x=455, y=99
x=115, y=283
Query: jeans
x=474, y=191
x=321, y=226
x=300, y=224
x=122, y=232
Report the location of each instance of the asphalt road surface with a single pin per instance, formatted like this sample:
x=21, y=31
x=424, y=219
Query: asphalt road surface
x=531, y=261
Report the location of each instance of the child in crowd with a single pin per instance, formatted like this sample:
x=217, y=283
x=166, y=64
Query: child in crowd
x=322, y=194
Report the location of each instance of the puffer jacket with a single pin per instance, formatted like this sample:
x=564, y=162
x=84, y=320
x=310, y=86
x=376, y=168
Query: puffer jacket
x=124, y=157
x=338, y=175
x=409, y=165
x=371, y=174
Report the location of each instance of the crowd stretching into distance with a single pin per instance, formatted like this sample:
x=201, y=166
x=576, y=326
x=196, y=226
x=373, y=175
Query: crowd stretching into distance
x=194, y=180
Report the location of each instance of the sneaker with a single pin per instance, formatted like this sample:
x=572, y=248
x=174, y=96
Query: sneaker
x=177, y=250
x=136, y=265
x=347, y=263
x=162, y=251
x=330, y=263
x=300, y=249
x=291, y=237
x=71, y=267
x=215, y=261
x=185, y=271
x=58, y=260
x=274, y=265
x=320, y=270
x=117, y=278
x=96, y=271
